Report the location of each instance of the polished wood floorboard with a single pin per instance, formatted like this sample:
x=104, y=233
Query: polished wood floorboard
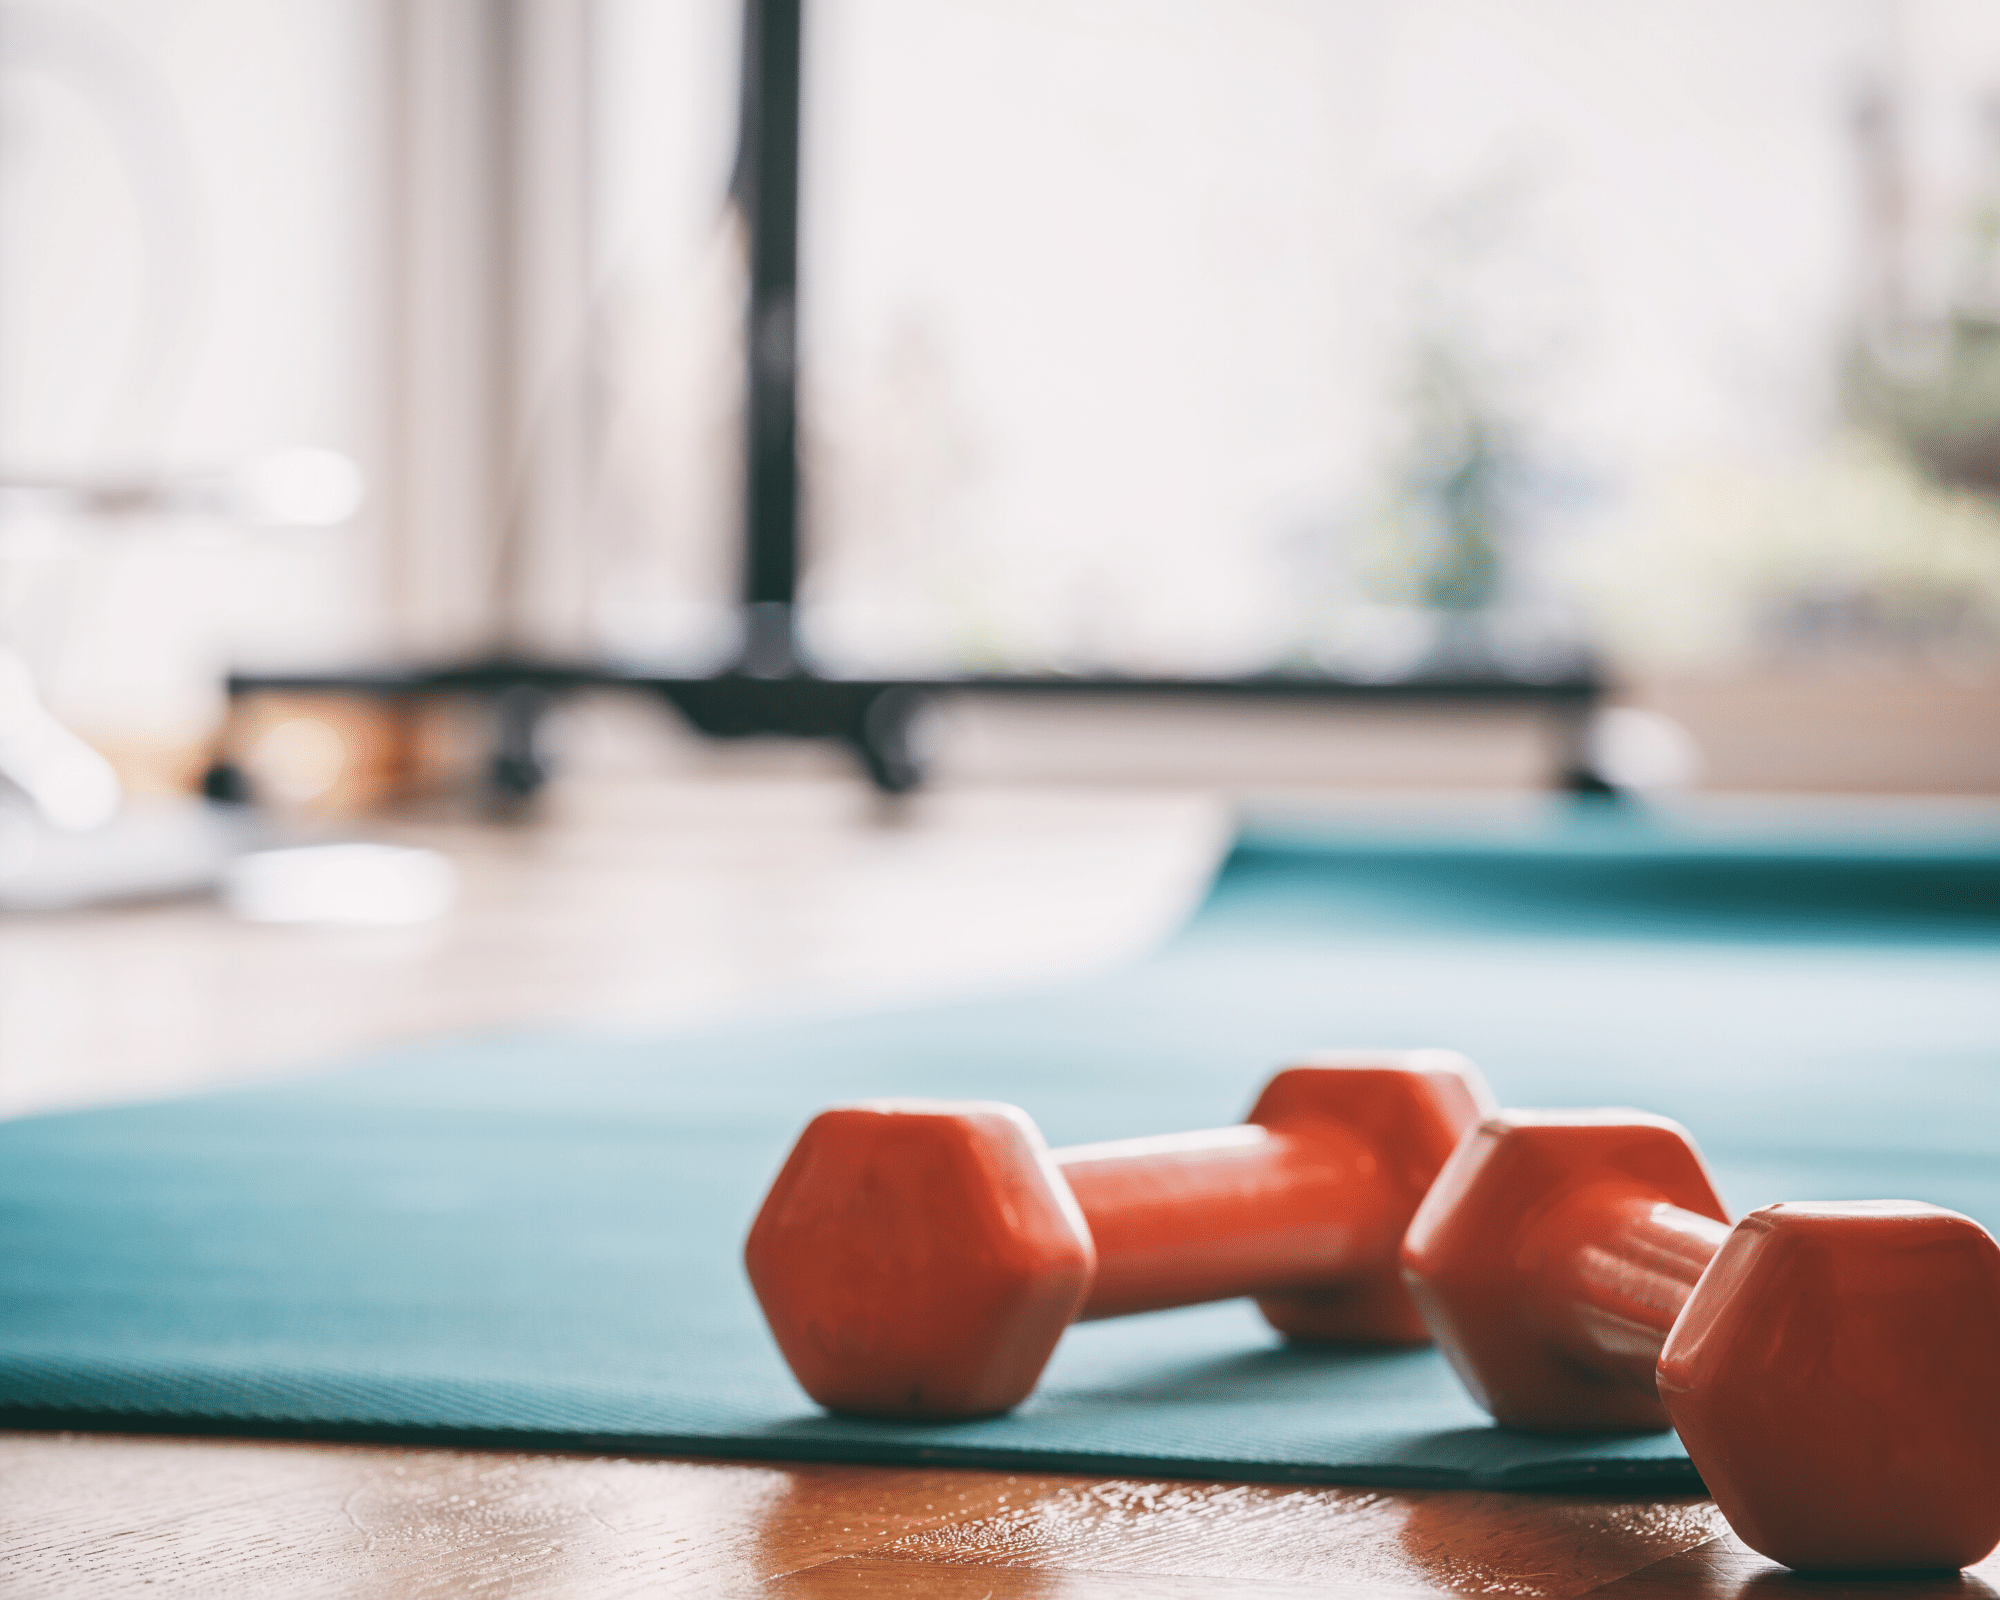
x=644, y=905
x=113, y=1515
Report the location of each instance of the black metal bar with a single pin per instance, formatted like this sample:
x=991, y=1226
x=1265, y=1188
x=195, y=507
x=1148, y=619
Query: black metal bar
x=767, y=193
x=769, y=690
x=1568, y=694
x=872, y=716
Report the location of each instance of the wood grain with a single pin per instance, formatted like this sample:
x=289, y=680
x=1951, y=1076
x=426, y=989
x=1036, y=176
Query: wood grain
x=89, y=1514
x=635, y=904
x=1724, y=1568
x=1123, y=1535
x=115, y=1515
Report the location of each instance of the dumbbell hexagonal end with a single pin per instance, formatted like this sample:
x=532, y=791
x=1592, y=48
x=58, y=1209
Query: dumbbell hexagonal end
x=1835, y=1379
x=919, y=1258
x=1471, y=1257
x=1410, y=1107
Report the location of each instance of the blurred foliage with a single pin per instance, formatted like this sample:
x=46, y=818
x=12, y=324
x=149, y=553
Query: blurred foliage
x=1454, y=497
x=1439, y=537
x=1883, y=542
x=1942, y=406
x=1856, y=549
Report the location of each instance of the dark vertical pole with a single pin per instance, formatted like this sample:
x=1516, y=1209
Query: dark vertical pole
x=767, y=192
x=500, y=108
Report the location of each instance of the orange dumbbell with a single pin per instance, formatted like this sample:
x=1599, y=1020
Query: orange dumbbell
x=1833, y=1369
x=920, y=1258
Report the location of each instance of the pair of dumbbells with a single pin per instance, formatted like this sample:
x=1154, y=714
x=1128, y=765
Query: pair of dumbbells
x=1835, y=1376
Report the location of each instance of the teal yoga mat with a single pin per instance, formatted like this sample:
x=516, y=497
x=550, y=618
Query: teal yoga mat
x=532, y=1239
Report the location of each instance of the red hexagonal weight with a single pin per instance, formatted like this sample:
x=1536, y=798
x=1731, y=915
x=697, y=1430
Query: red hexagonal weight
x=919, y=1258
x=1500, y=1256
x=1836, y=1380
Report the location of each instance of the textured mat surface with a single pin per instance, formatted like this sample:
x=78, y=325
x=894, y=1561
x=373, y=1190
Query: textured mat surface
x=533, y=1239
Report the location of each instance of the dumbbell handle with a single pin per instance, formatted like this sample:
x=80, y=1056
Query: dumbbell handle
x=1249, y=1210
x=1613, y=1267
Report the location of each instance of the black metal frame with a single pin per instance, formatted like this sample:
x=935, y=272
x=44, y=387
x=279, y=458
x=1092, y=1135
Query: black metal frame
x=873, y=717
x=768, y=689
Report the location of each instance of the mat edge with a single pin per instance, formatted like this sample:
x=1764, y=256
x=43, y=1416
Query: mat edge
x=1649, y=1477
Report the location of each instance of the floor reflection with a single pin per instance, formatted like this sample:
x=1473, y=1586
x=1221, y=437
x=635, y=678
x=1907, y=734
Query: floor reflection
x=1545, y=1544
x=1776, y=1583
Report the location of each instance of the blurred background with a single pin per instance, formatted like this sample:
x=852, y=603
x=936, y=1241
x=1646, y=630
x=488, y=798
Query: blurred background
x=1202, y=340
x=1652, y=348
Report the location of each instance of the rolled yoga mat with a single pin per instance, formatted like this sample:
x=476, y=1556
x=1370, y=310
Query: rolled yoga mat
x=533, y=1240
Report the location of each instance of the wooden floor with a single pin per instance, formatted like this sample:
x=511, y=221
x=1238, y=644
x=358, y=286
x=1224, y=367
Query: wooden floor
x=90, y=1515
x=643, y=904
